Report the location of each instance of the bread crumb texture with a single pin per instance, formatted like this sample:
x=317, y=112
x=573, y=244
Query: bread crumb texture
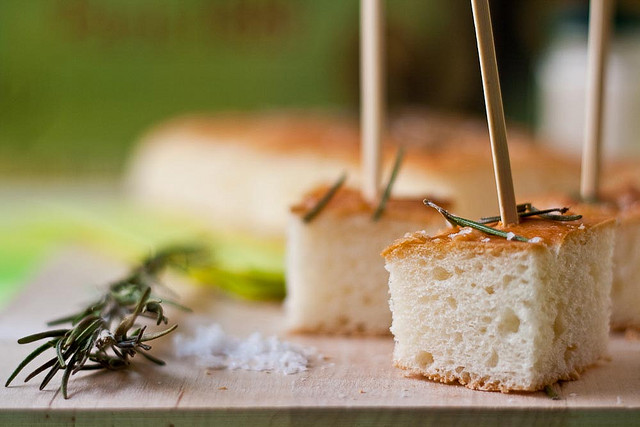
x=623, y=203
x=502, y=315
x=336, y=281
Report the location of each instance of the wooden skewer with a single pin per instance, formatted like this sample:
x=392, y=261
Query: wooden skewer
x=371, y=100
x=600, y=14
x=495, y=111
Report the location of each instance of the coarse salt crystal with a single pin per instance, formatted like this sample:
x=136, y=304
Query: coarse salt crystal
x=485, y=240
x=462, y=232
x=215, y=349
x=535, y=239
x=510, y=235
x=582, y=227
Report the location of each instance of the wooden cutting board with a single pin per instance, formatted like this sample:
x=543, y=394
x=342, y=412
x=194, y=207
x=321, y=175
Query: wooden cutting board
x=354, y=383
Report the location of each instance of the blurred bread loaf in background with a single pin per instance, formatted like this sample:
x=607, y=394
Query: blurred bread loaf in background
x=244, y=170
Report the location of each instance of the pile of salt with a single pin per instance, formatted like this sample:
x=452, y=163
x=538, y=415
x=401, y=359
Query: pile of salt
x=215, y=349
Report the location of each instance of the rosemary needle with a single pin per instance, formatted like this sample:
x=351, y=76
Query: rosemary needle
x=462, y=222
x=526, y=210
x=101, y=333
x=387, y=191
x=314, y=211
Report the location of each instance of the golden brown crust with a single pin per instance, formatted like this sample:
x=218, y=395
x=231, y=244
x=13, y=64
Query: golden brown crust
x=622, y=202
x=486, y=384
x=626, y=200
x=549, y=232
x=440, y=143
x=348, y=201
x=620, y=173
x=278, y=132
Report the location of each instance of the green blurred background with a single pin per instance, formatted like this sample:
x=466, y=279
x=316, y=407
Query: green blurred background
x=80, y=80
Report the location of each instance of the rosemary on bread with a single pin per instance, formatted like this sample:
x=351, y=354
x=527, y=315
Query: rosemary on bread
x=387, y=191
x=525, y=210
x=326, y=198
x=106, y=334
x=315, y=210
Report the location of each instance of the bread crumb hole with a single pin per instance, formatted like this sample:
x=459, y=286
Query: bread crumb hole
x=440, y=273
x=473, y=285
x=424, y=359
x=458, y=337
x=510, y=322
x=458, y=270
x=452, y=303
x=493, y=360
x=507, y=278
x=426, y=299
x=489, y=290
x=522, y=268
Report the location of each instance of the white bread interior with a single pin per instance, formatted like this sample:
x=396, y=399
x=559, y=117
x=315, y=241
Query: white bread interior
x=244, y=171
x=623, y=203
x=502, y=315
x=336, y=281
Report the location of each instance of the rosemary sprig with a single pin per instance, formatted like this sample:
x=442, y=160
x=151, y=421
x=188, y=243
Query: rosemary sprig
x=527, y=210
x=524, y=210
x=387, y=191
x=462, y=222
x=314, y=211
x=107, y=332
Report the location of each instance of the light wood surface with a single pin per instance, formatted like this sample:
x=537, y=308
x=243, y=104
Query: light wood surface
x=354, y=383
x=600, y=16
x=372, y=114
x=495, y=111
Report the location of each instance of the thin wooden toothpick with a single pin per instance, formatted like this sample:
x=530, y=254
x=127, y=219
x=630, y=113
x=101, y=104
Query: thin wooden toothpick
x=371, y=98
x=495, y=111
x=600, y=14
